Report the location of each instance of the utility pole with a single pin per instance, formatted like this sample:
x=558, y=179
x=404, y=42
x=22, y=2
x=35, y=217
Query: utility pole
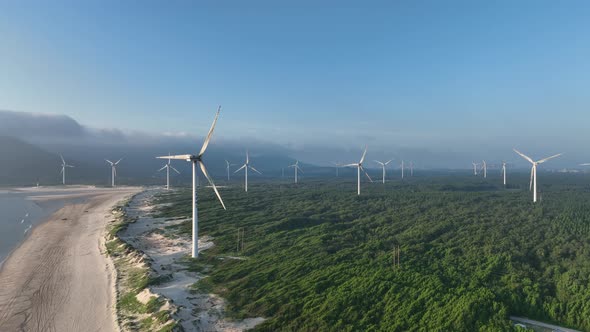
x=396, y=256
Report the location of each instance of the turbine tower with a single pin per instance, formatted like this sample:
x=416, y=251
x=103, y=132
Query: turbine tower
x=484, y=167
x=360, y=168
x=197, y=160
x=167, y=166
x=411, y=168
x=504, y=172
x=113, y=170
x=533, y=183
x=245, y=168
x=474, y=168
x=383, y=164
x=64, y=165
x=297, y=168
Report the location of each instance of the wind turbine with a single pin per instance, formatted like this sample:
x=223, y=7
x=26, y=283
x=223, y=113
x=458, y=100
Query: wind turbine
x=383, y=164
x=412, y=168
x=474, y=168
x=245, y=167
x=113, y=170
x=359, y=167
x=402, y=169
x=533, y=182
x=296, y=167
x=197, y=160
x=167, y=166
x=484, y=167
x=63, y=169
x=337, y=165
x=228, y=164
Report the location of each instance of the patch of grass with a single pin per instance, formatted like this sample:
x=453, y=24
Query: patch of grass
x=204, y=286
x=146, y=324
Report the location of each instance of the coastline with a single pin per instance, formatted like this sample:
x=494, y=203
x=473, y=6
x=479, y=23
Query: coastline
x=64, y=249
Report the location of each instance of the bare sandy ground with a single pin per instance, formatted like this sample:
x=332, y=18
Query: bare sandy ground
x=195, y=312
x=59, y=279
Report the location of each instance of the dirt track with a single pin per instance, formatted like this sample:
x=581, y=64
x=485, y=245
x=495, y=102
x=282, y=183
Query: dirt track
x=59, y=279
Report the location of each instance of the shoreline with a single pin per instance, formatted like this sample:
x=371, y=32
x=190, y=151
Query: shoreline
x=63, y=249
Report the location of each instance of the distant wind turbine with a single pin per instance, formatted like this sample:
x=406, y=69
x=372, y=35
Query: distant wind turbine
x=533, y=182
x=297, y=168
x=484, y=167
x=64, y=165
x=402, y=169
x=383, y=164
x=113, y=170
x=197, y=160
x=337, y=166
x=504, y=172
x=412, y=168
x=360, y=168
x=167, y=166
x=474, y=168
x=227, y=166
x=245, y=168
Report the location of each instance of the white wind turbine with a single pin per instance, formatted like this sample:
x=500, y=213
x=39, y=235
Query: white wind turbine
x=227, y=166
x=245, y=168
x=383, y=164
x=113, y=170
x=484, y=167
x=167, y=166
x=533, y=182
x=402, y=169
x=64, y=165
x=297, y=168
x=474, y=168
x=337, y=166
x=197, y=160
x=360, y=168
x=411, y=168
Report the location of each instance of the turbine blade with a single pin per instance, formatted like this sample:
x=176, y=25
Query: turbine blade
x=364, y=154
x=351, y=165
x=118, y=161
x=524, y=156
x=175, y=169
x=254, y=169
x=544, y=160
x=241, y=168
x=208, y=138
x=108, y=161
x=180, y=156
x=300, y=170
x=586, y=164
x=367, y=174
x=204, y=170
x=390, y=160
x=378, y=162
x=163, y=167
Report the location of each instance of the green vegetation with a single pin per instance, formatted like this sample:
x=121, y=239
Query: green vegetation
x=132, y=279
x=319, y=258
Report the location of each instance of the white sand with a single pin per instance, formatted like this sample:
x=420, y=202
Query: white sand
x=59, y=279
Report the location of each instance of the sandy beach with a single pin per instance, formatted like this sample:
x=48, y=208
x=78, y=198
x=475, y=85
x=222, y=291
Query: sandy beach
x=59, y=279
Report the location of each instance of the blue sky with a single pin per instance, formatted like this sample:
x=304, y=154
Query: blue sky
x=450, y=75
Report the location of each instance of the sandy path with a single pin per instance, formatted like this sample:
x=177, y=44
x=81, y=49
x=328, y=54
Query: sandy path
x=58, y=279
